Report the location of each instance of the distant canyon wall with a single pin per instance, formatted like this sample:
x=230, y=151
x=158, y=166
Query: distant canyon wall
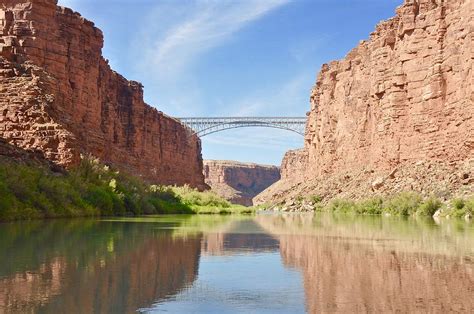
x=58, y=95
x=401, y=99
x=239, y=182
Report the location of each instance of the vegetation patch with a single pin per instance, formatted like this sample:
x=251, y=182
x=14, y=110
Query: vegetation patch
x=93, y=189
x=460, y=207
x=208, y=202
x=402, y=204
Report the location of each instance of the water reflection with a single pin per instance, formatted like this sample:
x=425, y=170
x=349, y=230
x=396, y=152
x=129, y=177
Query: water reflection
x=91, y=267
x=240, y=271
x=368, y=264
x=243, y=235
x=268, y=263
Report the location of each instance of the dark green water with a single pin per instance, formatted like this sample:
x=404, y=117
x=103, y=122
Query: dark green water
x=222, y=264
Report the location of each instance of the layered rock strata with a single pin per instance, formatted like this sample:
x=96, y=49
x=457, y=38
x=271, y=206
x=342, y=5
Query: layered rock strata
x=239, y=182
x=401, y=102
x=59, y=96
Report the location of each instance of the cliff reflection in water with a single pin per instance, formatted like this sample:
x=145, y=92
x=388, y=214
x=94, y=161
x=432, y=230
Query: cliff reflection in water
x=267, y=263
x=371, y=264
x=90, y=266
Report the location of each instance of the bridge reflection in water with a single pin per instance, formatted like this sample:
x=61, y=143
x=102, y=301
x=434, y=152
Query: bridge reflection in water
x=202, y=126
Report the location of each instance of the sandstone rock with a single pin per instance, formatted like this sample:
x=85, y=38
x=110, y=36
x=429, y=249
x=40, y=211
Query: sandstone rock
x=378, y=183
x=58, y=95
x=402, y=100
x=294, y=164
x=239, y=182
x=398, y=124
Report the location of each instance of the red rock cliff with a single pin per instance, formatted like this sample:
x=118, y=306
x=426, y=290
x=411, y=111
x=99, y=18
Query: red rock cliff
x=400, y=104
x=60, y=96
x=405, y=94
x=239, y=182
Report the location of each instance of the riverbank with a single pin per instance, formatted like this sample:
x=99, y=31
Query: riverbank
x=400, y=204
x=33, y=190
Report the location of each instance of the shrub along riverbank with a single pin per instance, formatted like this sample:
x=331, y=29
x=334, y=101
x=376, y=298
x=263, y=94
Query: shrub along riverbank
x=30, y=191
x=401, y=204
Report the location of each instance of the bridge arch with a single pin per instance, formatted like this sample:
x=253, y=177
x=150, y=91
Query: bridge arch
x=202, y=126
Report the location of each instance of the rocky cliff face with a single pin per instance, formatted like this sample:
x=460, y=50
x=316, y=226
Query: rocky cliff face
x=239, y=182
x=58, y=95
x=294, y=164
x=401, y=99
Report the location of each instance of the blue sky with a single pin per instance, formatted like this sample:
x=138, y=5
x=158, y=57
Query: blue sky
x=232, y=58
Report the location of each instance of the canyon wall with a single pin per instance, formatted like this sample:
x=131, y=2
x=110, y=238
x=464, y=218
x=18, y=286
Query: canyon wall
x=239, y=182
x=59, y=96
x=401, y=99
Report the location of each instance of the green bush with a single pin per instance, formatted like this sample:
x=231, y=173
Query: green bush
x=99, y=197
x=32, y=191
x=403, y=204
x=458, y=203
x=316, y=199
x=342, y=206
x=469, y=205
x=429, y=207
x=461, y=207
x=192, y=196
x=372, y=206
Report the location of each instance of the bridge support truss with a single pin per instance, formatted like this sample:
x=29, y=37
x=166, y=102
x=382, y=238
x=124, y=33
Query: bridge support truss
x=203, y=126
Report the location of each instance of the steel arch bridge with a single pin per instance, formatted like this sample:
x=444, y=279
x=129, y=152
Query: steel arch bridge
x=202, y=126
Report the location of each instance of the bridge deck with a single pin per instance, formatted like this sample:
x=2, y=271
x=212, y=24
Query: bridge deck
x=203, y=126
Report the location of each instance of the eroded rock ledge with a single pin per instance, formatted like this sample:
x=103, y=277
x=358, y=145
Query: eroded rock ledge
x=59, y=96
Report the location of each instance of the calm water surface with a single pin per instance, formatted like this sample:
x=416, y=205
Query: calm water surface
x=221, y=264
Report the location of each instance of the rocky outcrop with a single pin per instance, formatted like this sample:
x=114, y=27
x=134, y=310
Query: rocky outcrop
x=10, y=153
x=294, y=164
x=58, y=95
x=401, y=99
x=239, y=182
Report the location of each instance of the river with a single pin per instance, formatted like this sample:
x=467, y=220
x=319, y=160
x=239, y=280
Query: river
x=268, y=263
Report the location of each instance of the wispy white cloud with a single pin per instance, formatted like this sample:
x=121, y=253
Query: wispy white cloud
x=173, y=41
x=288, y=98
